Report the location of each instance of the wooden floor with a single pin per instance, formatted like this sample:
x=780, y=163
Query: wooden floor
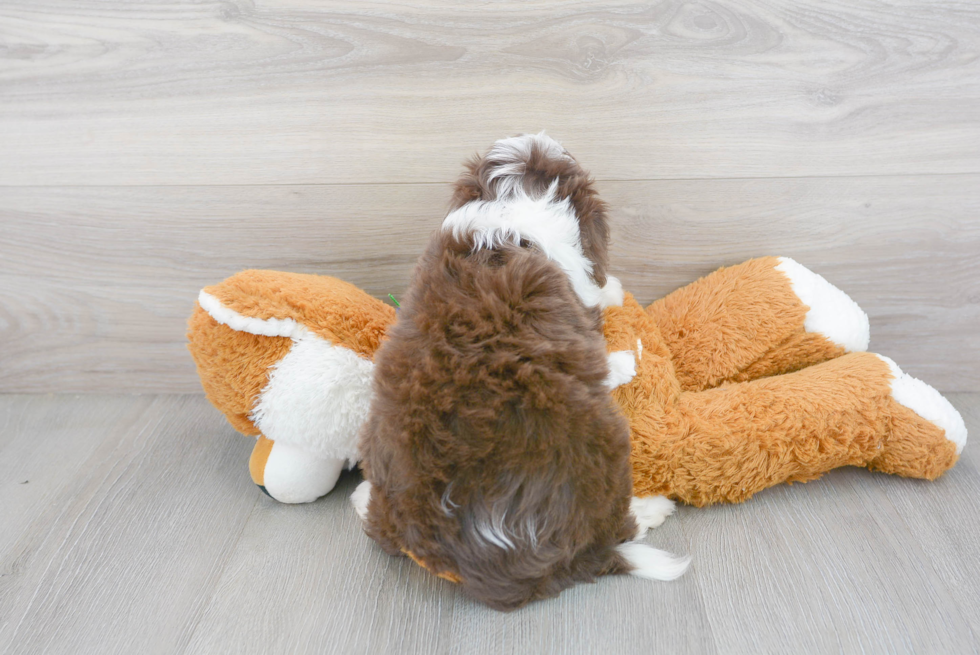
x=129, y=525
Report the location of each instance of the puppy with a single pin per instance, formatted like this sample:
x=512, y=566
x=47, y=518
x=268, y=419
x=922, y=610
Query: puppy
x=494, y=454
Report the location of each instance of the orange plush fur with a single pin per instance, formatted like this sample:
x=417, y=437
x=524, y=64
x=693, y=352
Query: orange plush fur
x=731, y=394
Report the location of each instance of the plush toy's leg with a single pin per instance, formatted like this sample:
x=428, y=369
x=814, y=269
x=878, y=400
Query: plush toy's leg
x=728, y=443
x=764, y=317
x=291, y=475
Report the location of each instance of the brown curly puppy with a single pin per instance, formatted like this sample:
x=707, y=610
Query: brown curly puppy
x=494, y=454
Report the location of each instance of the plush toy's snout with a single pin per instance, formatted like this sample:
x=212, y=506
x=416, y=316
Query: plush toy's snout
x=291, y=475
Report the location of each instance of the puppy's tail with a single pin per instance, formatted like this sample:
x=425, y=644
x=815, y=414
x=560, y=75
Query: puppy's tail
x=650, y=563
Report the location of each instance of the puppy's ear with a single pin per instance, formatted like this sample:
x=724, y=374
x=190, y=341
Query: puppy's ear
x=593, y=226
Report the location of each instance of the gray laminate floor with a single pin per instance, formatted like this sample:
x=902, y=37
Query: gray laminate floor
x=129, y=524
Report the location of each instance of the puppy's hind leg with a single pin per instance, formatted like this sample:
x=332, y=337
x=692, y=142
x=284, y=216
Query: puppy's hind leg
x=360, y=499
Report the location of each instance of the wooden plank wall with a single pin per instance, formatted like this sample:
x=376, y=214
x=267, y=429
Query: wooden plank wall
x=147, y=150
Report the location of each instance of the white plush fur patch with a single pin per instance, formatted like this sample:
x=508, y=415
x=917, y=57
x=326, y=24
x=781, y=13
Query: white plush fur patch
x=651, y=563
x=318, y=395
x=832, y=312
x=292, y=475
x=622, y=368
x=927, y=403
x=317, y=398
x=267, y=327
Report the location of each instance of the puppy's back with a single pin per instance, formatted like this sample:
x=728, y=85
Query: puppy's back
x=494, y=449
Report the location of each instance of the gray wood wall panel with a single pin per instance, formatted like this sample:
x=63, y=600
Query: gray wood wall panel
x=115, y=92
x=140, y=531
x=96, y=283
x=149, y=150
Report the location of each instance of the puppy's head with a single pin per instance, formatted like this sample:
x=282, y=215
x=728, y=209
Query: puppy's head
x=529, y=191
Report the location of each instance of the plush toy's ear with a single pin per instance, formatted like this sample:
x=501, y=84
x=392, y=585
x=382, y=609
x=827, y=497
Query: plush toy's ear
x=271, y=303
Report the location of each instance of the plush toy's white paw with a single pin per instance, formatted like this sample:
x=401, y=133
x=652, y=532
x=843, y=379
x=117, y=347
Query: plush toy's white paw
x=294, y=476
x=622, y=368
x=360, y=498
x=650, y=512
x=927, y=403
x=832, y=312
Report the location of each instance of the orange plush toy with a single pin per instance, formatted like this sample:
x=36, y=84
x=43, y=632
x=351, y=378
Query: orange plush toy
x=749, y=377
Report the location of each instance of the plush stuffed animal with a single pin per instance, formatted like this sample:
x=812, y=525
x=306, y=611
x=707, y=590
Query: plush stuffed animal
x=749, y=377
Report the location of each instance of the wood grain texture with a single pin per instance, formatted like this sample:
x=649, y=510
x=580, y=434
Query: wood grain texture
x=132, y=535
x=96, y=284
x=140, y=531
x=349, y=596
x=115, y=92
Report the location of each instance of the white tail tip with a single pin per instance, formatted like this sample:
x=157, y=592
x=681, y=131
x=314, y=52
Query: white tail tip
x=651, y=563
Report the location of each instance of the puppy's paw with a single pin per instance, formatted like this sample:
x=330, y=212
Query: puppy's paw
x=360, y=498
x=650, y=512
x=622, y=368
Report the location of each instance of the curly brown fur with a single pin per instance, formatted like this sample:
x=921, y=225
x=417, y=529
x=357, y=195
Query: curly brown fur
x=494, y=451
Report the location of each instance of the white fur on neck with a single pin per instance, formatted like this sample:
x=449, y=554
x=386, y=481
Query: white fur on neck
x=548, y=223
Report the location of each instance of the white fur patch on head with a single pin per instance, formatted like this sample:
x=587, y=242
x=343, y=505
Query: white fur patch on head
x=832, y=313
x=622, y=368
x=651, y=563
x=318, y=398
x=550, y=224
x=509, y=157
x=928, y=403
x=360, y=499
x=650, y=512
